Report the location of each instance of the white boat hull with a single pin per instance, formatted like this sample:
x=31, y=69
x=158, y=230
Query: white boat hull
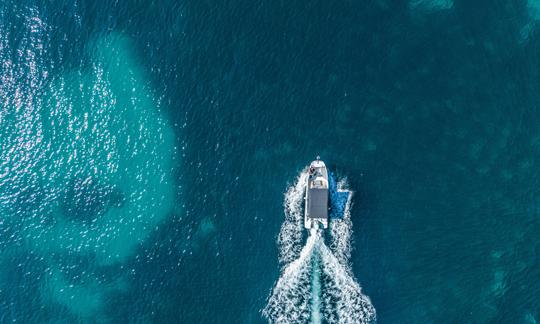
x=316, y=197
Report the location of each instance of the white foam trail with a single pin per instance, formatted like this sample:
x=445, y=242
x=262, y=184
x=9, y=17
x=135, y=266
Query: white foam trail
x=341, y=231
x=290, y=235
x=316, y=283
x=343, y=296
x=290, y=297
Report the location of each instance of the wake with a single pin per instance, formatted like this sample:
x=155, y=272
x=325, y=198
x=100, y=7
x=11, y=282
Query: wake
x=316, y=283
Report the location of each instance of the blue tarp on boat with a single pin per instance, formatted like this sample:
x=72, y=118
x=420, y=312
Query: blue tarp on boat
x=338, y=199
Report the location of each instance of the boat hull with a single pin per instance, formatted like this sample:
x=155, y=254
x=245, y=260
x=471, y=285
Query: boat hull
x=316, y=196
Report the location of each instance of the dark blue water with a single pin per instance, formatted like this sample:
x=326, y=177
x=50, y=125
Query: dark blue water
x=145, y=148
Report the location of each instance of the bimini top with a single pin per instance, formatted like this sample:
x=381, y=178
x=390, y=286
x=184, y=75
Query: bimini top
x=318, y=203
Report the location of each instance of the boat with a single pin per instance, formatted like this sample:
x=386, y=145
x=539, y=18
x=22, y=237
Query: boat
x=316, y=199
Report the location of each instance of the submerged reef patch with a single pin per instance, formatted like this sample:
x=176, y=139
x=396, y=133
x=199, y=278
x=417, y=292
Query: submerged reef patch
x=86, y=161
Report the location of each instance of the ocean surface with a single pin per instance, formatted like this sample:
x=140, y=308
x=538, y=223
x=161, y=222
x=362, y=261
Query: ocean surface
x=150, y=152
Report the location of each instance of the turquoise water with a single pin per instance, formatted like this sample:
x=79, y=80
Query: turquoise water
x=146, y=149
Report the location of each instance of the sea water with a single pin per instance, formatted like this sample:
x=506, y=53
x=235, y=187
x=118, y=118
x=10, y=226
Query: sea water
x=146, y=148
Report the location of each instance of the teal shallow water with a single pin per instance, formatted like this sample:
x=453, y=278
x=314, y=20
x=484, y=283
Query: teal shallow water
x=145, y=149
